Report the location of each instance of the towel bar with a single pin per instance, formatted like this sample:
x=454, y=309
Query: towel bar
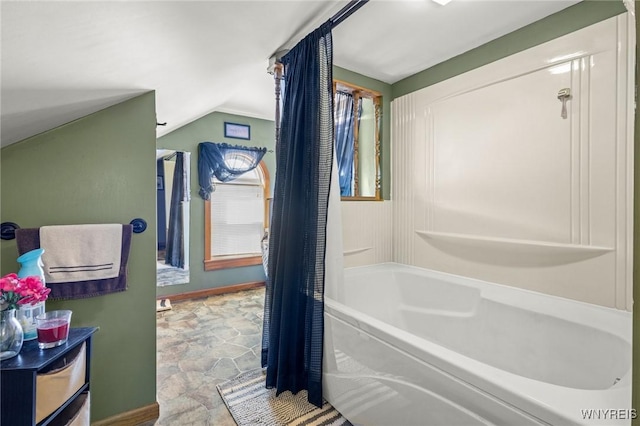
x=8, y=229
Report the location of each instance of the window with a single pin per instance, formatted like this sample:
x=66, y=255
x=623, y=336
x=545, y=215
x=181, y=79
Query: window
x=236, y=217
x=357, y=136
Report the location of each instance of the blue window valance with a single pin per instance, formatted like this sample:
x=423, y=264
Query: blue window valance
x=225, y=162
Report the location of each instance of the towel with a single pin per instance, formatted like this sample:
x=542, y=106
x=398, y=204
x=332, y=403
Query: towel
x=81, y=252
x=29, y=239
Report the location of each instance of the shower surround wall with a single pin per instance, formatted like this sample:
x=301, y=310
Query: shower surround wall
x=491, y=182
x=366, y=236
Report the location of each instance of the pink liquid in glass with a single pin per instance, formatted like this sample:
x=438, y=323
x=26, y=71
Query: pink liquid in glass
x=53, y=331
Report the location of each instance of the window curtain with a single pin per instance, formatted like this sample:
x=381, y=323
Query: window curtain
x=344, y=141
x=225, y=162
x=175, y=251
x=292, y=344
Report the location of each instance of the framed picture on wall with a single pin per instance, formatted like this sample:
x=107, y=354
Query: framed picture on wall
x=237, y=131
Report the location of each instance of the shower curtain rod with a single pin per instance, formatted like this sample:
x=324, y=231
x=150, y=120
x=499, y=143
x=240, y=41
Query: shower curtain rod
x=335, y=20
x=275, y=67
x=347, y=11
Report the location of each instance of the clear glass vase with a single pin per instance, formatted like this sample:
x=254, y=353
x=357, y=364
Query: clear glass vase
x=11, y=336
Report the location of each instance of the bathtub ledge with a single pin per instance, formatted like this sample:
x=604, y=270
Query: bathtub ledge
x=529, y=247
x=356, y=251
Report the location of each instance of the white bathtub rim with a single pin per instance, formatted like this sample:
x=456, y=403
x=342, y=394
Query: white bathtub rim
x=445, y=356
x=551, y=403
x=610, y=320
x=464, y=281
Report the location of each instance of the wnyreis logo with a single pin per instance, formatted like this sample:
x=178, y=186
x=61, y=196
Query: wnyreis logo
x=609, y=414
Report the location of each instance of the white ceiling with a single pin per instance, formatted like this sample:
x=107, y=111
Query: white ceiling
x=63, y=60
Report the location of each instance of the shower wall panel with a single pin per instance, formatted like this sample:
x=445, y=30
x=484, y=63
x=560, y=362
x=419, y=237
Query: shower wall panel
x=520, y=173
x=366, y=232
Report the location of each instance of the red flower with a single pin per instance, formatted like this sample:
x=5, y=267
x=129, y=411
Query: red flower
x=16, y=291
x=8, y=283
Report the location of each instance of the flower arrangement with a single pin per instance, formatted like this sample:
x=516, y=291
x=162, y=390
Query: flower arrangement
x=15, y=292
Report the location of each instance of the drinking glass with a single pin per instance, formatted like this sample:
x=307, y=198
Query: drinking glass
x=53, y=328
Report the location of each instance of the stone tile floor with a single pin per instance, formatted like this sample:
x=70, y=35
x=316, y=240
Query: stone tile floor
x=168, y=275
x=201, y=343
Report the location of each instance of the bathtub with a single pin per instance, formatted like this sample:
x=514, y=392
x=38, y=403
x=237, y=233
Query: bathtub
x=410, y=346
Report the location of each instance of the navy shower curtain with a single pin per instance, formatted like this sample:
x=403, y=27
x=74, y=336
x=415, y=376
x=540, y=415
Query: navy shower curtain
x=294, y=299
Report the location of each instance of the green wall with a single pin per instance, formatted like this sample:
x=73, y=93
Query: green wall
x=568, y=20
x=385, y=137
x=98, y=169
x=210, y=128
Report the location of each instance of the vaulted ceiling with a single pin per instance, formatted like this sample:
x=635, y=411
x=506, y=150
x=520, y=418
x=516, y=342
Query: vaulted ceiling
x=64, y=60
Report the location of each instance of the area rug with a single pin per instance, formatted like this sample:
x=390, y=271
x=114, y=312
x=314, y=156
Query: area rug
x=252, y=404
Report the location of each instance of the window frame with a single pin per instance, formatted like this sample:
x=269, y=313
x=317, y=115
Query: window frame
x=359, y=92
x=212, y=263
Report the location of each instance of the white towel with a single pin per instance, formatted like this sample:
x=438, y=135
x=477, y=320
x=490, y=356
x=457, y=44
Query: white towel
x=75, y=253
